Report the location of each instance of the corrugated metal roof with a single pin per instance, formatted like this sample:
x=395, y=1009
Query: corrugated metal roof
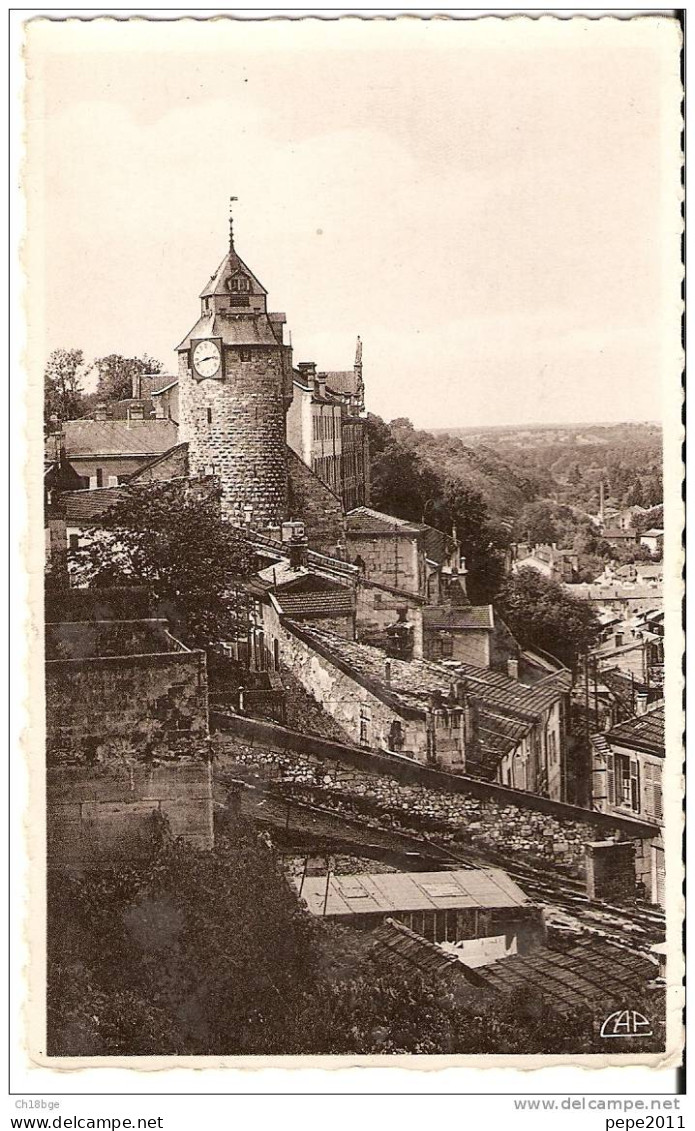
x=389, y=893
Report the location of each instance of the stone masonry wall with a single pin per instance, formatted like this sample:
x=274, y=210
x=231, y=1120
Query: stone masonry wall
x=245, y=439
x=108, y=814
x=135, y=705
x=346, y=700
x=310, y=500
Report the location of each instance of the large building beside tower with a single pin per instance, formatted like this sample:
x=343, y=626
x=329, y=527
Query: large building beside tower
x=235, y=386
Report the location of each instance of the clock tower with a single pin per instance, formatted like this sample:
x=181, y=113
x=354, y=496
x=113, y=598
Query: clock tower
x=235, y=386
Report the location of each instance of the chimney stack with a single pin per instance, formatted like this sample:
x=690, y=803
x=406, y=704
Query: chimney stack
x=298, y=549
x=387, y=673
x=618, y=639
x=101, y=412
x=513, y=668
x=136, y=386
x=137, y=411
x=640, y=702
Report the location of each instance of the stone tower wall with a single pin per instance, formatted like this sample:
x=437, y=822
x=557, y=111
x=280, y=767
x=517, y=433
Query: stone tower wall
x=245, y=440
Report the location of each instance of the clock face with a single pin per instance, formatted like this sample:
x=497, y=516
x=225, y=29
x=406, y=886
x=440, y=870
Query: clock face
x=206, y=359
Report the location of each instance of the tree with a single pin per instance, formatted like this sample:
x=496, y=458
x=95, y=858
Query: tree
x=537, y=523
x=62, y=387
x=635, y=496
x=542, y=614
x=405, y=485
x=116, y=374
x=170, y=538
x=190, y=952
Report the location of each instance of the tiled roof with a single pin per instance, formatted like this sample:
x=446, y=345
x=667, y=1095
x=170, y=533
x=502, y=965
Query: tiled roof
x=235, y=332
x=507, y=709
x=339, y=603
x=118, y=437
x=364, y=520
x=459, y=617
x=83, y=507
x=388, y=892
x=643, y=732
x=404, y=948
x=591, y=974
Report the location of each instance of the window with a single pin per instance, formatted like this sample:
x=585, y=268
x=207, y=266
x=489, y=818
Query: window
x=100, y=477
x=244, y=355
x=623, y=782
x=316, y=428
x=365, y=720
x=74, y=542
x=209, y=416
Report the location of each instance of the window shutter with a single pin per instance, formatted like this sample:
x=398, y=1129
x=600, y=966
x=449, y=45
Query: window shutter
x=634, y=786
x=610, y=763
x=658, y=804
x=649, y=789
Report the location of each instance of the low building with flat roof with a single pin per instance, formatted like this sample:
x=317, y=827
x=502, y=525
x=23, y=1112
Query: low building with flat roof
x=471, y=903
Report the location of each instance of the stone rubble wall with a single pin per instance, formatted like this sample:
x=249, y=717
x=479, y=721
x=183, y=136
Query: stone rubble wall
x=456, y=819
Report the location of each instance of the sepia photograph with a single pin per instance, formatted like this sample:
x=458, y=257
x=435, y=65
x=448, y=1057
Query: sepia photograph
x=353, y=358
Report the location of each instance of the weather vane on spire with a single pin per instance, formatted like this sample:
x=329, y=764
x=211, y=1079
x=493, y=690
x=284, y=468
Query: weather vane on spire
x=231, y=221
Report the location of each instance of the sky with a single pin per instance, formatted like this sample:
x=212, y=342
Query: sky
x=492, y=205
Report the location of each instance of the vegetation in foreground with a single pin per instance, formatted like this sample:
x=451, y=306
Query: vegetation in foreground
x=210, y=953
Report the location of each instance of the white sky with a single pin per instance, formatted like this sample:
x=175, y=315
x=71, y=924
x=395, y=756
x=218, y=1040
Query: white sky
x=492, y=205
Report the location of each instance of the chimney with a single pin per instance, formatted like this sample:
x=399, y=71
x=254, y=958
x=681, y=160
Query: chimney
x=248, y=515
x=402, y=613
x=387, y=673
x=136, y=386
x=640, y=702
x=459, y=690
x=137, y=411
x=321, y=384
x=101, y=412
x=298, y=550
x=618, y=639
x=513, y=668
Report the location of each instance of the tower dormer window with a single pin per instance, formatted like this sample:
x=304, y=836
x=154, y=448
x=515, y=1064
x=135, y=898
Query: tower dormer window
x=239, y=284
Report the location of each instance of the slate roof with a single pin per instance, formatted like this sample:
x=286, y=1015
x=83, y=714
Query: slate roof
x=118, y=437
x=232, y=264
x=438, y=545
x=459, y=617
x=593, y=974
x=242, y=331
x=341, y=381
x=387, y=892
x=641, y=732
x=364, y=520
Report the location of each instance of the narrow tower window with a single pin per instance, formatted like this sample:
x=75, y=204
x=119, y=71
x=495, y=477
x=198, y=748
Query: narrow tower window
x=209, y=416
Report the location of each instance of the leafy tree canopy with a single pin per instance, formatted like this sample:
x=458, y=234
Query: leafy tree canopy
x=115, y=382
x=63, y=387
x=210, y=953
x=405, y=484
x=170, y=538
x=542, y=614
